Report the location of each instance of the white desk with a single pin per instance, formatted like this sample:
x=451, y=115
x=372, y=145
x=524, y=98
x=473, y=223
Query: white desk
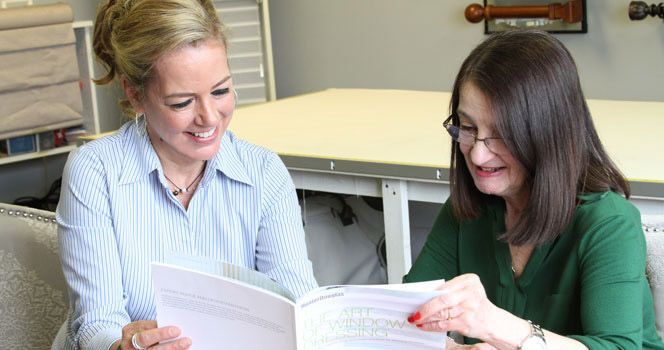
x=391, y=144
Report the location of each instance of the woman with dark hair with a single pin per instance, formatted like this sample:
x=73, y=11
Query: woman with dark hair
x=540, y=247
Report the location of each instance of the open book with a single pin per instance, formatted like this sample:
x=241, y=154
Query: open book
x=237, y=308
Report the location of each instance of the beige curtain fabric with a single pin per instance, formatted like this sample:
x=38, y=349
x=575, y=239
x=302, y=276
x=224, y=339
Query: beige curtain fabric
x=42, y=108
x=39, y=77
x=34, y=16
x=25, y=69
x=36, y=37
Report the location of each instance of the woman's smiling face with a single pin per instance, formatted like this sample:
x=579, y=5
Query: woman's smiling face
x=495, y=174
x=188, y=102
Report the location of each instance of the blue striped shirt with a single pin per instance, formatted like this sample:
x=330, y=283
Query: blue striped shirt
x=116, y=215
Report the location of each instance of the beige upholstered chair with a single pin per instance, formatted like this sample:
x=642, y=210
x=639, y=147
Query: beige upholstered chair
x=33, y=295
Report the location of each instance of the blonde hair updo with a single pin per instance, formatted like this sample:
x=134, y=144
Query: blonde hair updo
x=130, y=36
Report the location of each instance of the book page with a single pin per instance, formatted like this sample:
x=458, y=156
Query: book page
x=425, y=286
x=222, y=268
x=365, y=317
x=221, y=313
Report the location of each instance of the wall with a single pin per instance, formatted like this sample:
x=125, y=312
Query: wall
x=420, y=45
x=399, y=44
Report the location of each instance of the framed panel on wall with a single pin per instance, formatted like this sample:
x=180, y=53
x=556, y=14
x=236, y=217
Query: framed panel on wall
x=550, y=16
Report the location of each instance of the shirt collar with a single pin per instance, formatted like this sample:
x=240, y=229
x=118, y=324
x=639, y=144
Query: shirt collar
x=228, y=161
x=141, y=159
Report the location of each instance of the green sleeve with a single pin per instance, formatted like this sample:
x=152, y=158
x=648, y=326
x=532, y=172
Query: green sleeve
x=438, y=258
x=612, y=265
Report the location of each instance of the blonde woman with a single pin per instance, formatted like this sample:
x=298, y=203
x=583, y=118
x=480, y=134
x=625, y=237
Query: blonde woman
x=172, y=182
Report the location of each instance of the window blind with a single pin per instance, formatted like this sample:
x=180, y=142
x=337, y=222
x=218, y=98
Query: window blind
x=247, y=58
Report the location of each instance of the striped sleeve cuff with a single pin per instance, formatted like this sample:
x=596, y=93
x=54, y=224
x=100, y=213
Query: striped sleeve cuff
x=100, y=338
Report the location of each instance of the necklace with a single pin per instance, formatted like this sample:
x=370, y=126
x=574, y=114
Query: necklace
x=178, y=189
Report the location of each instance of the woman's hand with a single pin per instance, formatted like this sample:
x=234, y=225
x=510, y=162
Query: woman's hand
x=148, y=336
x=462, y=307
x=452, y=345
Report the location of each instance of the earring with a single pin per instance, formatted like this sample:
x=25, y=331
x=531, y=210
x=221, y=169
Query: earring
x=236, y=97
x=141, y=124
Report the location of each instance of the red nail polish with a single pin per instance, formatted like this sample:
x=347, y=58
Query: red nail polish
x=414, y=317
x=419, y=325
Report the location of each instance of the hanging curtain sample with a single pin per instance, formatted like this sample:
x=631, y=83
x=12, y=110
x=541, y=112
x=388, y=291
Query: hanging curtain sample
x=39, y=76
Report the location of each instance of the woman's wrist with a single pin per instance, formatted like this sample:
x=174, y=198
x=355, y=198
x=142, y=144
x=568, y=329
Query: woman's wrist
x=509, y=331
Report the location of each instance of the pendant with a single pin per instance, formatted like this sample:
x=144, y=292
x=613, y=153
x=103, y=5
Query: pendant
x=176, y=192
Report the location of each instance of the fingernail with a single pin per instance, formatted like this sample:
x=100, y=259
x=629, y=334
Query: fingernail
x=419, y=325
x=414, y=317
x=185, y=343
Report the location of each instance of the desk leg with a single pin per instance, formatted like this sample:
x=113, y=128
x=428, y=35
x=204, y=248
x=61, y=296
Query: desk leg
x=397, y=228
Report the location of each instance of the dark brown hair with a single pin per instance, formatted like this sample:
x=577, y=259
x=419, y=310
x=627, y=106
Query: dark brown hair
x=532, y=86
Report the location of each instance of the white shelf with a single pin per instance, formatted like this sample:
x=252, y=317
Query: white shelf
x=34, y=155
x=85, y=56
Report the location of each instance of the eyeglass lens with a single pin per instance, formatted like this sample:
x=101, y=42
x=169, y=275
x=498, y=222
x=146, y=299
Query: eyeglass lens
x=465, y=138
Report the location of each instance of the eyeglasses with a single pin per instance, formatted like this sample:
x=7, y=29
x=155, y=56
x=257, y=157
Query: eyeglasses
x=468, y=139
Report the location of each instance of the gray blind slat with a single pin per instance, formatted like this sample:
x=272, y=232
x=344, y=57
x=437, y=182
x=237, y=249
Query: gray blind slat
x=242, y=19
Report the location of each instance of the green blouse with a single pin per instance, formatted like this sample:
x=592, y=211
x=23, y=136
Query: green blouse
x=588, y=284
